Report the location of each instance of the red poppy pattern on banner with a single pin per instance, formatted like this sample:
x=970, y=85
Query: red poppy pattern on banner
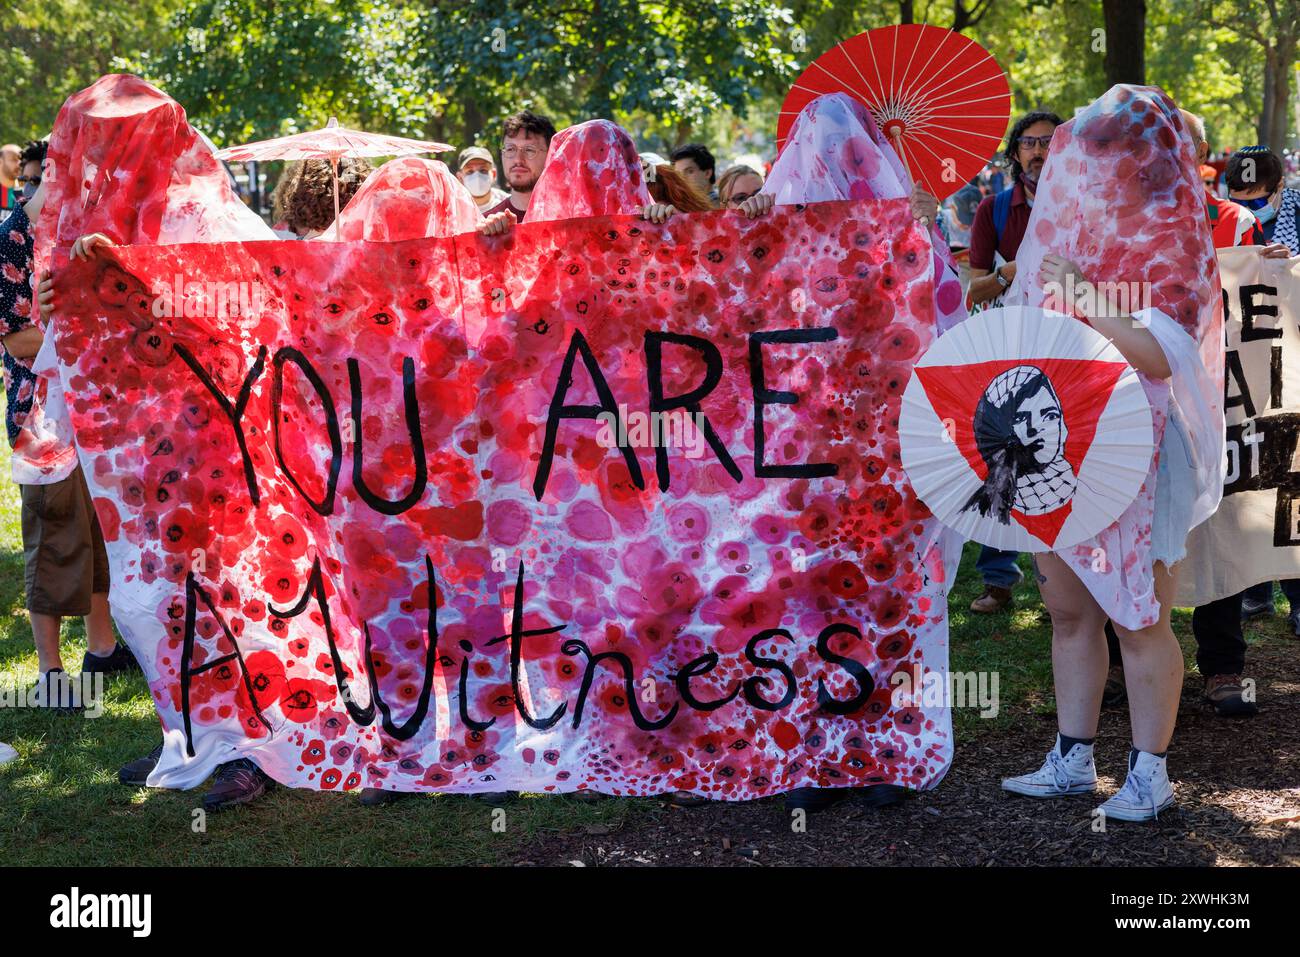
x=366, y=529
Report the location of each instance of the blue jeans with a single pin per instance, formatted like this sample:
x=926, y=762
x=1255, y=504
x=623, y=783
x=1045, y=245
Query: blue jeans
x=1264, y=592
x=997, y=567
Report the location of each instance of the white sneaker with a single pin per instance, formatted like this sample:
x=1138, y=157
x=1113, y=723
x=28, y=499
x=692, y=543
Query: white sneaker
x=1073, y=774
x=1146, y=791
x=7, y=753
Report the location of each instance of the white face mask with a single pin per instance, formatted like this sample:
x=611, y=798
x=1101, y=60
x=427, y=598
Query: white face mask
x=478, y=184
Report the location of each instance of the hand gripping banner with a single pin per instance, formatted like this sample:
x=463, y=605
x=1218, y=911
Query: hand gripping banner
x=599, y=505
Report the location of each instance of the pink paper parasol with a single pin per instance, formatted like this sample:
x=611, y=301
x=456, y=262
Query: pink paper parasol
x=330, y=143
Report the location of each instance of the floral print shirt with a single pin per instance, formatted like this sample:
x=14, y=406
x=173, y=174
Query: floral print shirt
x=15, y=313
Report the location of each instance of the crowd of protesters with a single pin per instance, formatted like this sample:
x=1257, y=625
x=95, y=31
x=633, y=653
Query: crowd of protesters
x=984, y=224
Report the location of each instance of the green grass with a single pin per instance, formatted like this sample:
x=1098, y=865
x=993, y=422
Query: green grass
x=60, y=803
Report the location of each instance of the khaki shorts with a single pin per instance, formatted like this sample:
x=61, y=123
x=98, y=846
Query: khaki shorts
x=63, y=547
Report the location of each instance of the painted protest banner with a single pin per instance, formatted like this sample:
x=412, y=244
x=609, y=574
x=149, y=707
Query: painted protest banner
x=597, y=505
x=1255, y=534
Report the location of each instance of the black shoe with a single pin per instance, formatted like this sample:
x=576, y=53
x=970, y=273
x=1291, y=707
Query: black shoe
x=57, y=692
x=814, y=799
x=135, y=774
x=119, y=659
x=880, y=795
x=684, y=799
x=1250, y=608
x=1293, y=620
x=495, y=798
x=237, y=782
x=378, y=797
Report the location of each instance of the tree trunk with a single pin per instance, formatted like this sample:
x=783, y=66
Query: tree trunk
x=1126, y=27
x=905, y=12
x=963, y=18
x=472, y=124
x=1264, y=128
x=1279, y=122
x=1282, y=94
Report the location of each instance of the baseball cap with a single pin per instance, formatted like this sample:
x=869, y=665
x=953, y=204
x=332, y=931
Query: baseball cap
x=474, y=153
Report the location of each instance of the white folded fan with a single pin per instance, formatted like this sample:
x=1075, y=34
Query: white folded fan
x=1026, y=430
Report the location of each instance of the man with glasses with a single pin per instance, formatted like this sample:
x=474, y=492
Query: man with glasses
x=525, y=139
x=995, y=236
x=738, y=184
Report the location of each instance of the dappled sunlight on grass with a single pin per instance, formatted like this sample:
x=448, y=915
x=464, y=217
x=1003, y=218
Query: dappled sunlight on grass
x=60, y=803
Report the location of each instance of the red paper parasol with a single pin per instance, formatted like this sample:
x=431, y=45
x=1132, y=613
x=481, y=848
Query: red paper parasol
x=938, y=96
x=330, y=143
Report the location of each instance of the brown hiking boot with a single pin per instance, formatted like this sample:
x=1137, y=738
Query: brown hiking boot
x=1115, y=693
x=994, y=599
x=1226, y=694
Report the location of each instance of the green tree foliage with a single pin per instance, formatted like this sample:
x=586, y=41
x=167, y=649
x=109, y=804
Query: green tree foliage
x=667, y=69
x=52, y=48
x=250, y=68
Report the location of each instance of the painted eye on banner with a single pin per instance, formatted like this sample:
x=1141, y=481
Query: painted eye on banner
x=333, y=308
x=381, y=318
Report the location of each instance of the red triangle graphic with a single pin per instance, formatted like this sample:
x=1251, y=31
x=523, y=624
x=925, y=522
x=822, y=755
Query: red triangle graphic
x=1044, y=527
x=1084, y=386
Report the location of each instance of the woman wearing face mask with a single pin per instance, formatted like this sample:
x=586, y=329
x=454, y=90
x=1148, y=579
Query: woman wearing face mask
x=1254, y=177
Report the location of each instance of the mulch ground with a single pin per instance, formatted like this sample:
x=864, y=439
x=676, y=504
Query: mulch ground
x=1237, y=781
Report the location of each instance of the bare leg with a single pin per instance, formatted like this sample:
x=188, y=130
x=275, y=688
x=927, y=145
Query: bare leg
x=1079, y=656
x=99, y=626
x=45, y=633
x=1153, y=669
